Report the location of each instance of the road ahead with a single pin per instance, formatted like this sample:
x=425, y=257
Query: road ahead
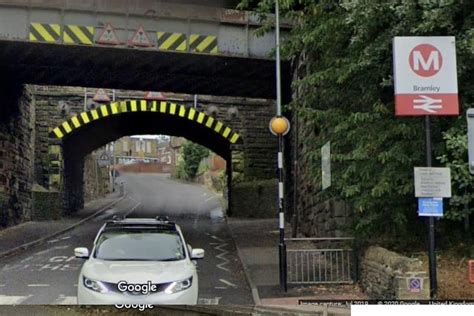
x=47, y=274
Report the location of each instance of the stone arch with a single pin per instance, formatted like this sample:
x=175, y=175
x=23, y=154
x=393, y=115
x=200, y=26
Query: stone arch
x=89, y=130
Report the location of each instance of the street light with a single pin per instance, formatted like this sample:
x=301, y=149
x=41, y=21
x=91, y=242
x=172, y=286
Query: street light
x=280, y=126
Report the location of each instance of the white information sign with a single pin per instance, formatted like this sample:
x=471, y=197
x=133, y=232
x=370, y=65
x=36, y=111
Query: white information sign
x=432, y=182
x=326, y=165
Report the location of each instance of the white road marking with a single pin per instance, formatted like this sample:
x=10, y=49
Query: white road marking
x=43, y=251
x=215, y=237
x=210, y=198
x=65, y=237
x=26, y=259
x=209, y=301
x=62, y=247
x=38, y=285
x=222, y=257
x=13, y=300
x=75, y=285
x=133, y=209
x=66, y=300
x=53, y=240
x=220, y=287
x=2, y=285
x=136, y=201
x=228, y=283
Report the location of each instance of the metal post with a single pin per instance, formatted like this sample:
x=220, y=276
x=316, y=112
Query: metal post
x=278, y=72
x=113, y=152
x=282, y=245
x=195, y=101
x=431, y=223
x=85, y=99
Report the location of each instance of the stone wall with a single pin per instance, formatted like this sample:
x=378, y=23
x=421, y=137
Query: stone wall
x=53, y=106
x=141, y=167
x=254, y=159
x=17, y=133
x=388, y=275
x=96, y=179
x=317, y=213
x=255, y=199
x=47, y=204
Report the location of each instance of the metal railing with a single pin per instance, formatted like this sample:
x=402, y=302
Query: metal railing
x=320, y=261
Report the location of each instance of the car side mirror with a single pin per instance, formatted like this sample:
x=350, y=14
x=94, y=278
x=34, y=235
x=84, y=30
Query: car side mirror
x=197, y=253
x=81, y=253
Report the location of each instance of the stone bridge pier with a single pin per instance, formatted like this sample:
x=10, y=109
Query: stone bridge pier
x=234, y=128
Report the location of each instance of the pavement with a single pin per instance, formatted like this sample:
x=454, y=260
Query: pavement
x=257, y=241
x=33, y=233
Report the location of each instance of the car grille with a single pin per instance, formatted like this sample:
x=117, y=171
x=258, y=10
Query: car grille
x=113, y=287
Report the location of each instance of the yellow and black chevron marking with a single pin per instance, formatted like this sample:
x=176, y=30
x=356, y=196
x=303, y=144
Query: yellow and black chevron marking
x=203, y=43
x=168, y=108
x=171, y=41
x=78, y=34
x=45, y=32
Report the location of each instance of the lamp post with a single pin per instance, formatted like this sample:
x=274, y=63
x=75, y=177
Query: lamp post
x=280, y=126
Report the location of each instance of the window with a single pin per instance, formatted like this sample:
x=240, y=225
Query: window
x=140, y=245
x=148, y=147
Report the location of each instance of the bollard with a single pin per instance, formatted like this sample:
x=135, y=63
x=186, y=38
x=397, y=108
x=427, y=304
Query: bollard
x=122, y=190
x=471, y=270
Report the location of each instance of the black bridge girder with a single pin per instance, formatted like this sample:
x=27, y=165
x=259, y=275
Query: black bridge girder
x=141, y=69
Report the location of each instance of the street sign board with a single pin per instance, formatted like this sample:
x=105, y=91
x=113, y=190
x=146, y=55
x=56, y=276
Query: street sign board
x=326, y=165
x=470, y=138
x=425, y=75
x=432, y=182
x=430, y=207
x=104, y=159
x=415, y=285
x=101, y=96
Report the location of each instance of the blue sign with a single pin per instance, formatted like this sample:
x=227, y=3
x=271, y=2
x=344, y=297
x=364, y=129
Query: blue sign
x=414, y=285
x=430, y=207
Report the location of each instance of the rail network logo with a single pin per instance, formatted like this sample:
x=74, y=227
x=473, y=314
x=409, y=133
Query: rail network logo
x=425, y=60
x=425, y=76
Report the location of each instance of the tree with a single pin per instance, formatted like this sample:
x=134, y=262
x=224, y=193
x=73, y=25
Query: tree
x=345, y=89
x=192, y=155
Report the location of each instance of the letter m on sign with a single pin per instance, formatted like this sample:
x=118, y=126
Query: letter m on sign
x=418, y=60
x=425, y=60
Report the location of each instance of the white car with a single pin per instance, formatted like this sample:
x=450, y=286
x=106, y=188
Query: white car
x=139, y=261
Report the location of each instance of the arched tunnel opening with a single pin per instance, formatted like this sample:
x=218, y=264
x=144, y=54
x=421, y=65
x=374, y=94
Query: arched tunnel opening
x=89, y=131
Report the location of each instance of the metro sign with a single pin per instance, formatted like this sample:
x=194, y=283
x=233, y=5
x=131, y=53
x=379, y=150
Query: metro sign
x=425, y=76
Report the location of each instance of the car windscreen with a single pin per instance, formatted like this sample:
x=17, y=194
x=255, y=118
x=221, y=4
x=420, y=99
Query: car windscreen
x=140, y=245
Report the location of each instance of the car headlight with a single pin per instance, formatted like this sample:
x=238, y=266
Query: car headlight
x=179, y=286
x=93, y=285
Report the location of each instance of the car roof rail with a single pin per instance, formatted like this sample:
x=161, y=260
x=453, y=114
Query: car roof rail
x=162, y=218
x=118, y=218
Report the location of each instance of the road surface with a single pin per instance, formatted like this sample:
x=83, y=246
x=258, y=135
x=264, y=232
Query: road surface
x=48, y=274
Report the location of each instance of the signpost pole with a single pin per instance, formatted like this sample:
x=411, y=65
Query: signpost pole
x=431, y=223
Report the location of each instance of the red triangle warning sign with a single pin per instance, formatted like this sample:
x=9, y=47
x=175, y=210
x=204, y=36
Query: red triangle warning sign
x=140, y=38
x=152, y=95
x=108, y=36
x=101, y=96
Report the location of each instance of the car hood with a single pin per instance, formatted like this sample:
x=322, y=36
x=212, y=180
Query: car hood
x=138, y=271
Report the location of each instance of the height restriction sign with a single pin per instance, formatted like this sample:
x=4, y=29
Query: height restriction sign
x=425, y=76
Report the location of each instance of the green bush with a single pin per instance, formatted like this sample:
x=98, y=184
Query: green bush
x=192, y=155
